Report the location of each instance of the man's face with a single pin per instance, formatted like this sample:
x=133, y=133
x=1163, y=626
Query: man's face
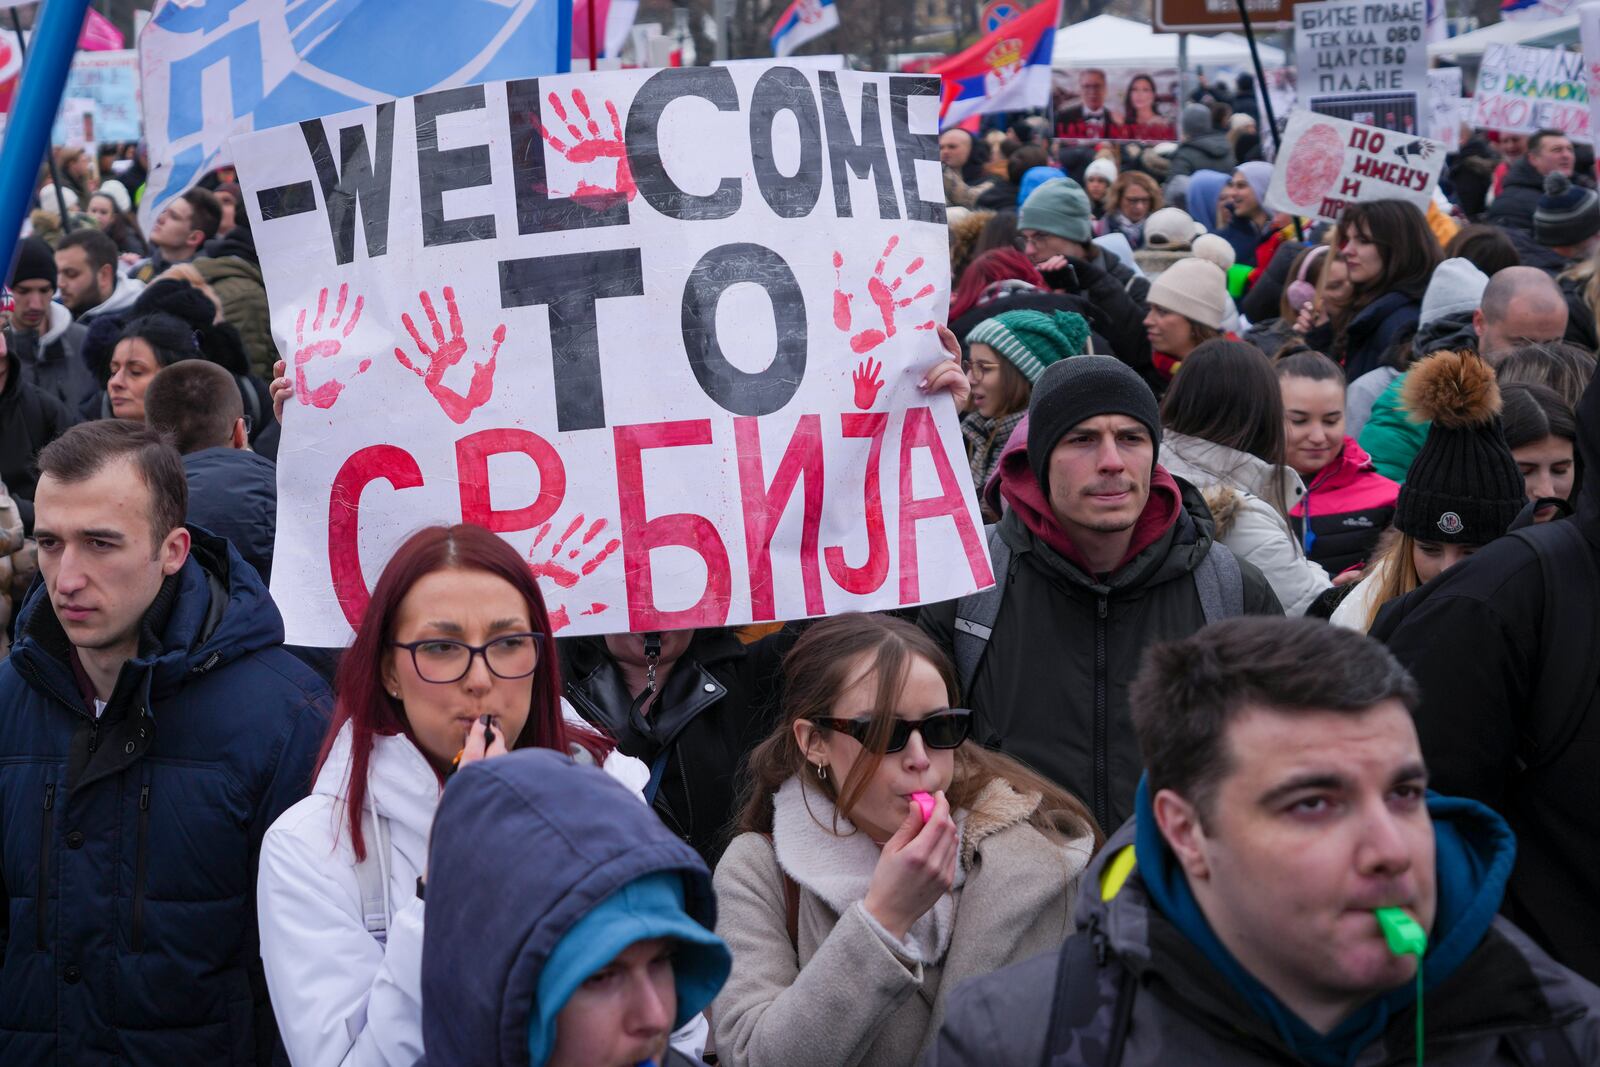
x=173, y=228
x=100, y=563
x=1100, y=474
x=81, y=287
x=1092, y=87
x=1554, y=155
x=1319, y=820
x=1041, y=247
x=1513, y=145
x=33, y=304
x=955, y=148
x=623, y=1014
x=1525, y=322
x=1240, y=197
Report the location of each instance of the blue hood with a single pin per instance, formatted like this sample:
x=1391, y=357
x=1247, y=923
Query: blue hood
x=213, y=611
x=1204, y=188
x=1475, y=850
x=523, y=847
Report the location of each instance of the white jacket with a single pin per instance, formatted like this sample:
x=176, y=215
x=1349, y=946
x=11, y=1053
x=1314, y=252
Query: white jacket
x=341, y=998
x=1237, y=487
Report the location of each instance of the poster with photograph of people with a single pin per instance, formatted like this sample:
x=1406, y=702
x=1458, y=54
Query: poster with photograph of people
x=1116, y=104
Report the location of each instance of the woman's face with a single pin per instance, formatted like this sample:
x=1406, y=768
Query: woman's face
x=1547, y=471
x=1136, y=203
x=916, y=768
x=1143, y=96
x=133, y=365
x=103, y=211
x=1313, y=414
x=1336, y=288
x=1362, y=256
x=228, y=205
x=473, y=607
x=1433, y=558
x=1169, y=331
x=988, y=384
x=1096, y=187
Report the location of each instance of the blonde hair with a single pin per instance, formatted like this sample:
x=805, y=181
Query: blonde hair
x=1398, y=573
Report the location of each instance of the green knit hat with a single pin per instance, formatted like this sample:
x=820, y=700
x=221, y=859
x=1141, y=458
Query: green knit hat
x=1060, y=207
x=1032, y=340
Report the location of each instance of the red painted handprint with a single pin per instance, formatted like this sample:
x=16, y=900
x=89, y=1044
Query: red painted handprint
x=867, y=383
x=588, y=145
x=557, y=563
x=325, y=347
x=884, y=296
x=446, y=354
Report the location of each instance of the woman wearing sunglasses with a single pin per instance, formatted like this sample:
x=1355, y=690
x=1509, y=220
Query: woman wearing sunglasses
x=849, y=913
x=451, y=663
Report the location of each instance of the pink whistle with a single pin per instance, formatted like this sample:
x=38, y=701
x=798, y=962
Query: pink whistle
x=926, y=803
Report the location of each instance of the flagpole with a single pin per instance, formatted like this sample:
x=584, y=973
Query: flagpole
x=1266, y=97
x=594, y=43
x=49, y=155
x=33, y=113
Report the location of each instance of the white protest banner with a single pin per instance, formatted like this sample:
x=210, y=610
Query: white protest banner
x=1327, y=164
x=1521, y=90
x=111, y=80
x=1365, y=62
x=662, y=330
x=1589, y=35
x=1445, y=104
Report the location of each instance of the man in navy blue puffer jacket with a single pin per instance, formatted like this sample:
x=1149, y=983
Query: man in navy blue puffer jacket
x=151, y=728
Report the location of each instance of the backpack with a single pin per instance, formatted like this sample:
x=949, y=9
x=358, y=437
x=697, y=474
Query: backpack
x=1217, y=580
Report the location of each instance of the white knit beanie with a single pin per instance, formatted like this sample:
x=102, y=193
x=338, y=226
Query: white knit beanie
x=1194, y=288
x=1101, y=168
x=1457, y=285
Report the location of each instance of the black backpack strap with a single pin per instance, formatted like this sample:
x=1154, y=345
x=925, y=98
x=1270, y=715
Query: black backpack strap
x=1220, y=584
x=976, y=613
x=1077, y=1003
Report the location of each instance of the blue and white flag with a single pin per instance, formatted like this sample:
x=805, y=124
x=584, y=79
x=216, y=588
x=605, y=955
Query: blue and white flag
x=214, y=68
x=802, y=21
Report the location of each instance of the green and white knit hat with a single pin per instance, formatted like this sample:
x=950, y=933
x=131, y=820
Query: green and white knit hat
x=1032, y=340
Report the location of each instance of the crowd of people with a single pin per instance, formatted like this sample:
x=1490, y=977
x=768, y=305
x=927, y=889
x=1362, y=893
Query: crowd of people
x=1272, y=742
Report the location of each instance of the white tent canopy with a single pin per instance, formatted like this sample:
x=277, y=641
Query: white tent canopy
x=1534, y=33
x=1109, y=41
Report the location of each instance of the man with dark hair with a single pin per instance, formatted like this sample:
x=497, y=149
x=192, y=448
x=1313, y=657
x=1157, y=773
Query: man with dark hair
x=1099, y=554
x=1549, y=152
x=153, y=729
x=180, y=231
x=232, y=491
x=1285, y=864
x=87, y=277
x=42, y=334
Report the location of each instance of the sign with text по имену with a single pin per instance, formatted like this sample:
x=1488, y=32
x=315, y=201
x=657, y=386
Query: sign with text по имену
x=1327, y=164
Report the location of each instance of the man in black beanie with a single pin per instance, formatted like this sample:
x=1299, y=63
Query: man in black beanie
x=46, y=341
x=1100, y=553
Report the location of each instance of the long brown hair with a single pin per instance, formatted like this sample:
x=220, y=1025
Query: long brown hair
x=1406, y=245
x=818, y=670
x=1396, y=572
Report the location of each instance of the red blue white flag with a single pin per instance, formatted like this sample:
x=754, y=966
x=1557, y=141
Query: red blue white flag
x=1007, y=70
x=802, y=21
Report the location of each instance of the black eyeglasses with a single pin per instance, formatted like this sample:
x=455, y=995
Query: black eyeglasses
x=442, y=661
x=942, y=729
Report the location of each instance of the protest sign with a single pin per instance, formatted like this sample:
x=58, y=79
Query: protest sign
x=1327, y=164
x=1521, y=90
x=662, y=330
x=1589, y=35
x=111, y=80
x=1445, y=105
x=1364, y=62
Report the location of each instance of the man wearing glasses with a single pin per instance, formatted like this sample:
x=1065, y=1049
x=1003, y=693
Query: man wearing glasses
x=180, y=231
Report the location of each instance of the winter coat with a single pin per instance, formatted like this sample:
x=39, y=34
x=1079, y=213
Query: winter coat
x=1271, y=335
x=120, y=302
x=845, y=993
x=234, y=494
x=53, y=360
x=1488, y=641
x=1502, y=998
x=719, y=701
x=341, y=997
x=1052, y=687
x=1245, y=237
x=1360, y=397
x=1209, y=151
x=1518, y=197
x=131, y=841
x=1581, y=324
x=1390, y=437
x=1534, y=254
x=235, y=274
x=29, y=419
x=1375, y=329
x=482, y=959
x=1350, y=505
x=1239, y=489
x=986, y=440
x=1133, y=283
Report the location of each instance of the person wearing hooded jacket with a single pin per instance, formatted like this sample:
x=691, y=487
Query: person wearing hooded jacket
x=510, y=981
x=1214, y=931
x=47, y=340
x=1082, y=603
x=1204, y=146
x=1503, y=647
x=1549, y=151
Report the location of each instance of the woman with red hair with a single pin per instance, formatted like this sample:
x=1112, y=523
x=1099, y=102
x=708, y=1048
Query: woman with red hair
x=453, y=662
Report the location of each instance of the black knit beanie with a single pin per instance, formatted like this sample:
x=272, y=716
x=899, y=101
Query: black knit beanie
x=1464, y=487
x=1082, y=388
x=35, y=262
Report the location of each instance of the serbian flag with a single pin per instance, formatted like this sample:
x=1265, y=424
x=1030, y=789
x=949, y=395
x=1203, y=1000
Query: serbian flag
x=802, y=21
x=1009, y=70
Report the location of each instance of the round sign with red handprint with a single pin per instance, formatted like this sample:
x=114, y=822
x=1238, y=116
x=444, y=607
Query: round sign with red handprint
x=1314, y=165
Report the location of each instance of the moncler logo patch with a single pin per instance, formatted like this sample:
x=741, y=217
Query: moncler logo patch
x=1451, y=523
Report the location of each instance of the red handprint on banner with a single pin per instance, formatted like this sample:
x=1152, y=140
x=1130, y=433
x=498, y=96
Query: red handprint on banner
x=588, y=144
x=884, y=296
x=446, y=354
x=556, y=564
x=325, y=347
x=867, y=381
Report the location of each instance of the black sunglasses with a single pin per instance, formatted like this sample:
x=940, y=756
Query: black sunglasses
x=942, y=729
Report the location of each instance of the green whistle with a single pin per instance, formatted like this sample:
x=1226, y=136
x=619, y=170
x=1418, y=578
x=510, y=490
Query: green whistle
x=1404, y=934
